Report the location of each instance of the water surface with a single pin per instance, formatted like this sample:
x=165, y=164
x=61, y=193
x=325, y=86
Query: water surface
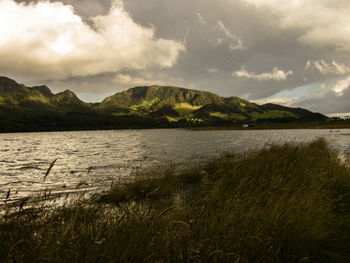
x=92, y=160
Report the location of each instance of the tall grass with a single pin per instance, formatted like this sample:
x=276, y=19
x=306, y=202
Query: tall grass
x=288, y=203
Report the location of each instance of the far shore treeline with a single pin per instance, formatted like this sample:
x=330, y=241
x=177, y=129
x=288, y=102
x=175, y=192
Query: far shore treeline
x=36, y=108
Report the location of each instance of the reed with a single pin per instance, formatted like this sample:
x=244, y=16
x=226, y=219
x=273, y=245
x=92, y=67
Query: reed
x=49, y=169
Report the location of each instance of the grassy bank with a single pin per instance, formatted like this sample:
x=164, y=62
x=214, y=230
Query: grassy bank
x=281, y=204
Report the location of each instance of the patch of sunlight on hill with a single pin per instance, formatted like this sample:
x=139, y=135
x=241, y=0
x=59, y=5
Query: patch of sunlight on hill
x=187, y=106
x=219, y=115
x=186, y=109
x=171, y=119
x=37, y=98
x=145, y=104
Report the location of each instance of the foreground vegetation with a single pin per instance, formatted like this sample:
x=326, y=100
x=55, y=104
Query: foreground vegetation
x=287, y=203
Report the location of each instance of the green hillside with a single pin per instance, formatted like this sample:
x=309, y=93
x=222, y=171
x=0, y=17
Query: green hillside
x=198, y=106
x=37, y=108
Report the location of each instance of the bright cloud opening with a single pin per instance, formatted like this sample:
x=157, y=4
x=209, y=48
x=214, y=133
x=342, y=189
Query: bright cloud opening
x=341, y=86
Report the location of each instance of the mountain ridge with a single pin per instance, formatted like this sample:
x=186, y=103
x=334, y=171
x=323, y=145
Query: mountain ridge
x=143, y=106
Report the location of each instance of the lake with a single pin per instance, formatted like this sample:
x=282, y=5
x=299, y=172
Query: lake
x=92, y=160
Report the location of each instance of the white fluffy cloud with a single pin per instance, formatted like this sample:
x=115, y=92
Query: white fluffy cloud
x=49, y=40
x=341, y=86
x=276, y=74
x=325, y=23
x=328, y=68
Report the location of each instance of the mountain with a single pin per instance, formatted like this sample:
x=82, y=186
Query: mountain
x=178, y=104
x=159, y=96
x=19, y=97
x=37, y=108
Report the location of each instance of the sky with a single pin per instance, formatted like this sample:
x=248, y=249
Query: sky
x=292, y=52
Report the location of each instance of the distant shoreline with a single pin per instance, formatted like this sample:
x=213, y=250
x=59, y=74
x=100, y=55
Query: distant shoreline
x=279, y=126
x=339, y=124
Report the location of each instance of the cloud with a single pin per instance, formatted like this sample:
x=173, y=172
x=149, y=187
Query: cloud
x=200, y=18
x=131, y=81
x=327, y=68
x=212, y=70
x=343, y=115
x=289, y=102
x=142, y=78
x=276, y=74
x=324, y=23
x=294, y=96
x=234, y=41
x=341, y=86
x=49, y=40
x=327, y=97
x=330, y=102
x=273, y=33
